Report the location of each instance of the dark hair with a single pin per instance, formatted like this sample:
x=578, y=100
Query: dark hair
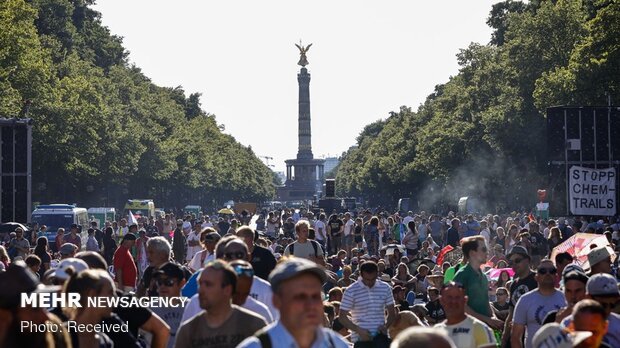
x=369, y=267
x=374, y=221
x=561, y=257
x=93, y=260
x=589, y=306
x=41, y=245
x=470, y=244
x=109, y=231
x=32, y=260
x=229, y=275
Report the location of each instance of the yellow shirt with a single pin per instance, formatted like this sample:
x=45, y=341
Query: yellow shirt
x=470, y=333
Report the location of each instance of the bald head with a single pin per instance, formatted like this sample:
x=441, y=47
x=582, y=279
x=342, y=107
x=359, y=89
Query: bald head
x=419, y=336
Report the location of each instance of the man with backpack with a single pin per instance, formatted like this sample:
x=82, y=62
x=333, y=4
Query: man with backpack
x=303, y=247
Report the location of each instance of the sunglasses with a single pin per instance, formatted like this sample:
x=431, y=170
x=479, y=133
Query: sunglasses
x=515, y=261
x=543, y=271
x=234, y=256
x=244, y=271
x=165, y=282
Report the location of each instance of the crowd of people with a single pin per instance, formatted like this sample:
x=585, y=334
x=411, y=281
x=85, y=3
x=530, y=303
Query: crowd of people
x=293, y=278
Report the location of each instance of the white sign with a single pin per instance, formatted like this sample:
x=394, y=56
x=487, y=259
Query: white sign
x=592, y=191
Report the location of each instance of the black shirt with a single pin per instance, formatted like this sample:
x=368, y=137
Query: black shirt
x=263, y=262
x=435, y=311
x=120, y=338
x=335, y=226
x=453, y=237
x=521, y=286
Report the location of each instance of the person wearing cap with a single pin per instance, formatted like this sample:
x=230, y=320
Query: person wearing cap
x=241, y=297
x=209, y=238
x=600, y=259
x=170, y=278
x=523, y=281
x=475, y=282
x=603, y=288
x=367, y=300
x=465, y=330
x=124, y=264
x=221, y=321
x=67, y=250
x=297, y=285
x=17, y=280
x=553, y=335
x=532, y=307
x=263, y=261
x=574, y=280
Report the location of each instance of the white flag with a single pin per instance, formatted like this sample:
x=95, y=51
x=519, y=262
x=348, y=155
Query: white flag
x=132, y=219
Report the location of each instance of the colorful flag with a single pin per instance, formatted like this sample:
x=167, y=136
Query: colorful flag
x=443, y=253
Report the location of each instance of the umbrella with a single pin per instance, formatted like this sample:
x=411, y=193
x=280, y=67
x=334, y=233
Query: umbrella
x=579, y=245
x=9, y=227
x=494, y=273
x=226, y=211
x=389, y=249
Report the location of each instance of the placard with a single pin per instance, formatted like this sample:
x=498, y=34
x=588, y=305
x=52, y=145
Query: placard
x=592, y=191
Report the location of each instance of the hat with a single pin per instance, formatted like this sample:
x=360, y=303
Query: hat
x=17, y=280
x=171, y=270
x=61, y=271
x=187, y=225
x=67, y=249
x=553, y=335
x=129, y=236
x=292, y=268
x=74, y=226
x=602, y=284
x=519, y=250
x=574, y=275
x=571, y=267
x=179, y=222
x=597, y=255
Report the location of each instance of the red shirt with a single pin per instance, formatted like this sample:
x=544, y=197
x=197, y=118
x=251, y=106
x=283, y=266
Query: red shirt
x=124, y=261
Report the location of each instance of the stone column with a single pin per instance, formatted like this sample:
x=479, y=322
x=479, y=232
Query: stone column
x=304, y=129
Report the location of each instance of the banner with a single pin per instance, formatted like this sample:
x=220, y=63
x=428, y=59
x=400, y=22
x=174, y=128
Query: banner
x=592, y=191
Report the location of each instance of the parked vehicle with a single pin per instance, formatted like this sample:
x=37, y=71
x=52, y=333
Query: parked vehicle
x=55, y=216
x=101, y=215
x=140, y=208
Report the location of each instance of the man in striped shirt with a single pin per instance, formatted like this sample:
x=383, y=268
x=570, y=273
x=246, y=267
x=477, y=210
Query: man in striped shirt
x=367, y=300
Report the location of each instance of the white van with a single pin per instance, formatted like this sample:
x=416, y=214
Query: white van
x=55, y=216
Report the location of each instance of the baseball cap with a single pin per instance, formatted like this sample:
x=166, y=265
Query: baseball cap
x=17, y=280
x=171, y=270
x=292, y=268
x=187, y=225
x=553, y=335
x=574, y=275
x=602, y=284
x=61, y=271
x=67, y=248
x=597, y=255
x=519, y=250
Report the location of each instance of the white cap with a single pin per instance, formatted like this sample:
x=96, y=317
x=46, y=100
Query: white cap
x=553, y=335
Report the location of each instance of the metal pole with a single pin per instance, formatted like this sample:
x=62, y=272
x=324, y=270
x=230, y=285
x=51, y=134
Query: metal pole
x=580, y=138
x=594, y=145
x=566, y=164
x=29, y=172
x=13, y=174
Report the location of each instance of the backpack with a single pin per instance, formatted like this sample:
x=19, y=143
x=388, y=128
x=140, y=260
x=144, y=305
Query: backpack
x=315, y=245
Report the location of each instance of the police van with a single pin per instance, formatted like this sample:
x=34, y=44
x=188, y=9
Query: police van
x=55, y=216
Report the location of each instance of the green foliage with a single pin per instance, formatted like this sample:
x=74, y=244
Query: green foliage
x=482, y=132
x=103, y=132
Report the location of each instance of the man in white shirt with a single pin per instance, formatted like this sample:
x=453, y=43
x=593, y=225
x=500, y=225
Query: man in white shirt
x=320, y=231
x=349, y=225
x=241, y=296
x=193, y=242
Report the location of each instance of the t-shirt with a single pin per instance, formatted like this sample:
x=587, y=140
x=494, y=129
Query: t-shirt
x=367, y=305
x=436, y=230
x=520, y=287
x=192, y=250
x=335, y=226
x=319, y=225
x=453, y=237
x=262, y=261
x=348, y=227
x=124, y=261
x=477, y=288
x=532, y=309
x=304, y=250
x=196, y=333
x=435, y=311
x=172, y=316
x=470, y=333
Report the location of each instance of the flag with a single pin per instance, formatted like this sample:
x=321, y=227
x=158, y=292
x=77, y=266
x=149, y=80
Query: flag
x=532, y=217
x=442, y=254
x=132, y=219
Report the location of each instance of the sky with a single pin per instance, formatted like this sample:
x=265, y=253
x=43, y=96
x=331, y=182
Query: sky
x=367, y=58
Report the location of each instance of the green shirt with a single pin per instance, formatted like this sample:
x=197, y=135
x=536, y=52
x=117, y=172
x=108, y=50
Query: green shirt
x=477, y=288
